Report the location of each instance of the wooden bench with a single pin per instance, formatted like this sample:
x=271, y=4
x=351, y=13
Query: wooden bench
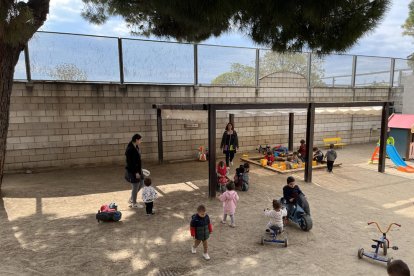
x=336, y=141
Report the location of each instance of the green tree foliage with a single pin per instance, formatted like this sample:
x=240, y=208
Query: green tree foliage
x=272, y=62
x=409, y=22
x=321, y=25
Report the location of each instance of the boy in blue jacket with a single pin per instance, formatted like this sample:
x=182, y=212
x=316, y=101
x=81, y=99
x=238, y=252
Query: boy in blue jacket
x=293, y=194
x=200, y=228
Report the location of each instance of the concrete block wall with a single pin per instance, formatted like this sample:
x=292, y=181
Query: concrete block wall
x=67, y=124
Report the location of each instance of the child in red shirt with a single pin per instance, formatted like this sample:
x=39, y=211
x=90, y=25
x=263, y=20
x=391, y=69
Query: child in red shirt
x=270, y=158
x=302, y=150
x=222, y=178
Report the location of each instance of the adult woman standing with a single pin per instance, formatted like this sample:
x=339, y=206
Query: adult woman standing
x=134, y=167
x=229, y=143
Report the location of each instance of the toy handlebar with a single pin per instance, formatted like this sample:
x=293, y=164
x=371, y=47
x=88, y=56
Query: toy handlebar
x=389, y=226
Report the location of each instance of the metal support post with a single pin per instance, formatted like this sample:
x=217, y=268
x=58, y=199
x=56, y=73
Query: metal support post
x=27, y=62
x=121, y=61
x=309, y=76
x=392, y=69
x=195, y=64
x=354, y=66
x=257, y=71
x=310, y=124
x=231, y=119
x=212, y=178
x=291, y=126
x=160, y=141
x=383, y=139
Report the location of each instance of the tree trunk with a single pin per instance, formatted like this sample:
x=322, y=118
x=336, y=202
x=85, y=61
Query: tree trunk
x=9, y=56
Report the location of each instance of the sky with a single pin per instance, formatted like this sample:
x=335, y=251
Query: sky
x=173, y=63
x=386, y=40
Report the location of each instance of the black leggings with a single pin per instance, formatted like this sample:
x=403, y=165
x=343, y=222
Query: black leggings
x=229, y=157
x=329, y=165
x=148, y=207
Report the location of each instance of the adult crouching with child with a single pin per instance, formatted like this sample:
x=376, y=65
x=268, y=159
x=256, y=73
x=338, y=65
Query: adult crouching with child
x=229, y=143
x=134, y=168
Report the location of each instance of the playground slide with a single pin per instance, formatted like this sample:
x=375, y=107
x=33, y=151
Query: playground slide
x=397, y=160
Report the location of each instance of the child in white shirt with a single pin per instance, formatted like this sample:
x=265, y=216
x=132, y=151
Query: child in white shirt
x=148, y=196
x=276, y=217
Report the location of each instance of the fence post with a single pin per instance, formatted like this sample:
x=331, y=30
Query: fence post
x=27, y=63
x=195, y=64
x=354, y=66
x=121, y=61
x=392, y=68
x=309, y=83
x=257, y=71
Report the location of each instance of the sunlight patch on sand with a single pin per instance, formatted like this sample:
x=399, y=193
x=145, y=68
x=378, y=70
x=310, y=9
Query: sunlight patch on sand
x=398, y=203
x=138, y=263
x=178, y=187
x=407, y=212
x=181, y=235
x=120, y=255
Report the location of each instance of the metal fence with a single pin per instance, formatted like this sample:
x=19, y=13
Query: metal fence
x=51, y=56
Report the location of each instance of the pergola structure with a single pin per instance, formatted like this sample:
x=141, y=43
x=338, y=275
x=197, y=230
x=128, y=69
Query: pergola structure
x=310, y=124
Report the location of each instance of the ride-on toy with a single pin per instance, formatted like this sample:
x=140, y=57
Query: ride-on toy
x=382, y=242
x=272, y=237
x=298, y=216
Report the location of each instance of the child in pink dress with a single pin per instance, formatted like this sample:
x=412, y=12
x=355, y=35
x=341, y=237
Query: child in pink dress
x=229, y=199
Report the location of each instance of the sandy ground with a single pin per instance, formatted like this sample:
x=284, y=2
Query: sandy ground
x=48, y=225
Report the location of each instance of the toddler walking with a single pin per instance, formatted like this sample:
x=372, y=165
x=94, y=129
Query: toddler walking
x=222, y=176
x=330, y=158
x=229, y=199
x=200, y=228
x=148, y=196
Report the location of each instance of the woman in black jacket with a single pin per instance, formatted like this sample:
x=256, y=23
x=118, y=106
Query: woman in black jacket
x=229, y=143
x=134, y=167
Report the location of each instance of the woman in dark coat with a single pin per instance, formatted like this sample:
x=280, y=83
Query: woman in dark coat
x=229, y=143
x=134, y=167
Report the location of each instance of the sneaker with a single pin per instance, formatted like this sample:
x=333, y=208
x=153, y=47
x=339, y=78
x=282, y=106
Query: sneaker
x=232, y=225
x=206, y=256
x=136, y=206
x=129, y=201
x=193, y=250
x=223, y=222
x=231, y=163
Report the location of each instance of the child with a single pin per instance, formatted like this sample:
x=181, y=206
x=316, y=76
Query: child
x=296, y=159
x=238, y=178
x=148, y=196
x=292, y=194
x=317, y=155
x=276, y=217
x=245, y=185
x=289, y=163
x=200, y=228
x=222, y=178
x=302, y=150
x=398, y=268
x=330, y=157
x=229, y=199
x=270, y=158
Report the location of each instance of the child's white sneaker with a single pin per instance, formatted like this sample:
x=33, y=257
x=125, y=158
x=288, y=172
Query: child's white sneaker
x=206, y=256
x=193, y=250
x=136, y=206
x=231, y=163
x=232, y=225
x=223, y=222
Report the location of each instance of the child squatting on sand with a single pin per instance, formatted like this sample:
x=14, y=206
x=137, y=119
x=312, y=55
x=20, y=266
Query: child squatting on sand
x=200, y=228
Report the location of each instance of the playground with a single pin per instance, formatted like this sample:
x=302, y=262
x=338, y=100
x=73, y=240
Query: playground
x=49, y=227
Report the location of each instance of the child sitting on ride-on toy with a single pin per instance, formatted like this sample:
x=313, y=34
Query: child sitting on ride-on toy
x=276, y=217
x=293, y=194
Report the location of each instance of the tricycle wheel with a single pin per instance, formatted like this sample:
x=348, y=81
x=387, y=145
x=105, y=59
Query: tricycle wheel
x=306, y=223
x=360, y=253
x=286, y=242
x=262, y=240
x=385, y=247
